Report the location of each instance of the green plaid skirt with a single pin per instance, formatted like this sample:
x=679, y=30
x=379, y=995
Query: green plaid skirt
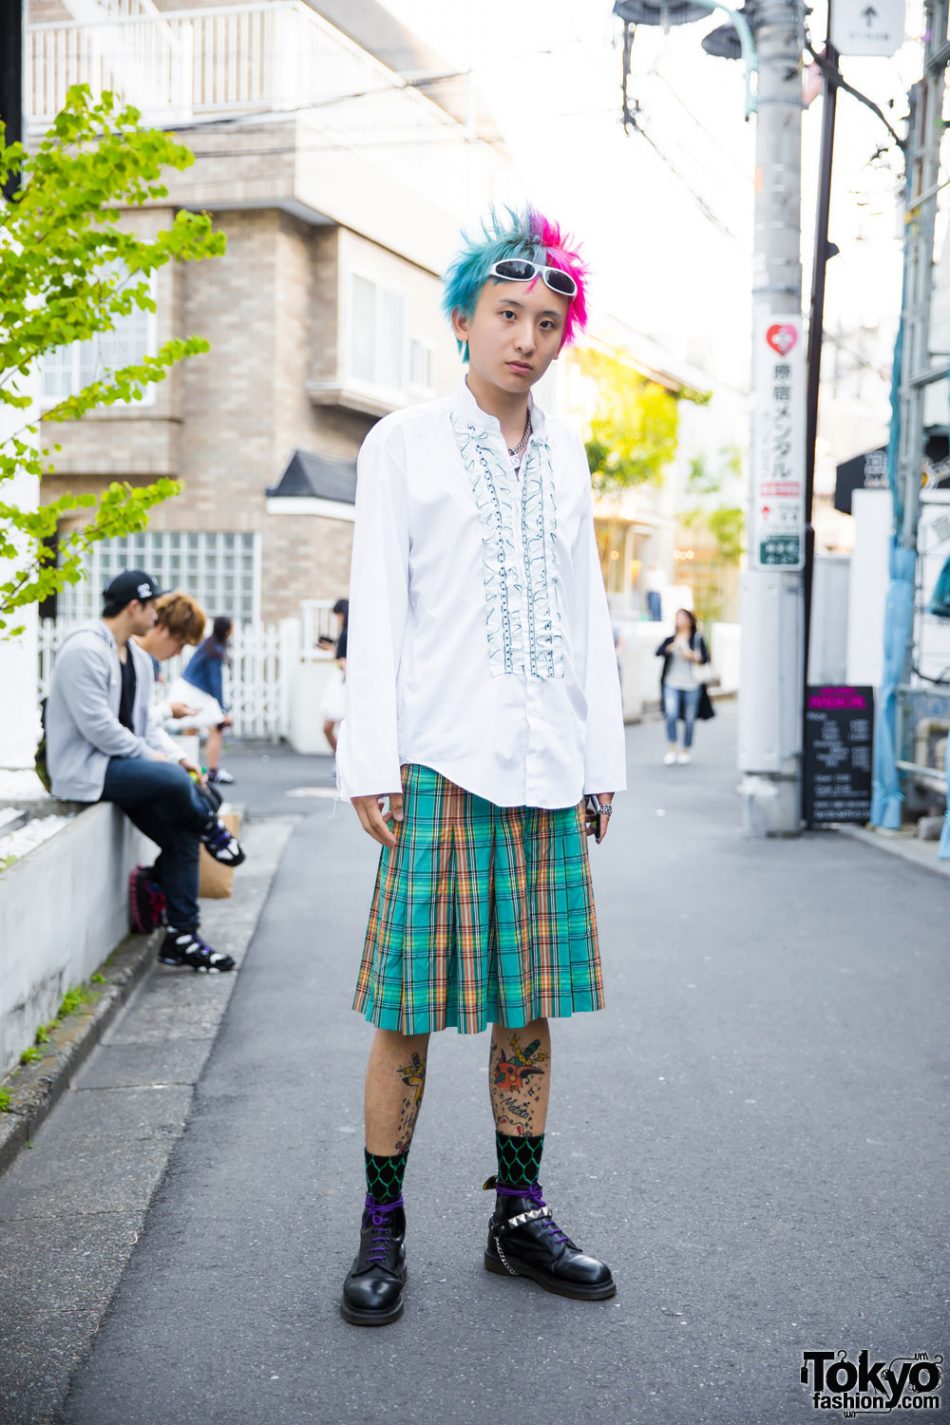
x=481, y=914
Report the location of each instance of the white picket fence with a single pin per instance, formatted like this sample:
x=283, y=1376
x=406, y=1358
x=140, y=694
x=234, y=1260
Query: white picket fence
x=255, y=682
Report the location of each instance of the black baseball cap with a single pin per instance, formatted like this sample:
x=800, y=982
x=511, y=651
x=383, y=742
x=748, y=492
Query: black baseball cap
x=129, y=585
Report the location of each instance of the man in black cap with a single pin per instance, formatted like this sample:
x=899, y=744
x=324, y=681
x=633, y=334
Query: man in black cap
x=100, y=747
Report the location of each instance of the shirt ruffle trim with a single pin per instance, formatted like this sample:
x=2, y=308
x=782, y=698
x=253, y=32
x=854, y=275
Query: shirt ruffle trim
x=539, y=544
x=522, y=619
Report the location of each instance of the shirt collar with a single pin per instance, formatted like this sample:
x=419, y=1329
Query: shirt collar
x=469, y=407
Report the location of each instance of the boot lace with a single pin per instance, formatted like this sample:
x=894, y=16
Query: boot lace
x=382, y=1229
x=535, y=1193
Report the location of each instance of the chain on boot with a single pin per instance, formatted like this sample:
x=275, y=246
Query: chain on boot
x=525, y=1241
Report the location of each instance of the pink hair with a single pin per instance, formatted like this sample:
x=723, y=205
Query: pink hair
x=560, y=254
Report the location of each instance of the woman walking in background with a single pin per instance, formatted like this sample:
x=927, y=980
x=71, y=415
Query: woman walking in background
x=201, y=686
x=683, y=696
x=334, y=699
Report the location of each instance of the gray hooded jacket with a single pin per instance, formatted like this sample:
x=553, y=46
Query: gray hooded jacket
x=82, y=714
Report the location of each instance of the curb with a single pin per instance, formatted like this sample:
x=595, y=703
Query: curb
x=36, y=1087
x=908, y=848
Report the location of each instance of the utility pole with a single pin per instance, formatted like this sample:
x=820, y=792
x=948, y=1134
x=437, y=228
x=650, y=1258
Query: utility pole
x=772, y=612
x=19, y=721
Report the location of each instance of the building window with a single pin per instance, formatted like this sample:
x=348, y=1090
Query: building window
x=68, y=369
x=222, y=571
x=420, y=365
x=377, y=345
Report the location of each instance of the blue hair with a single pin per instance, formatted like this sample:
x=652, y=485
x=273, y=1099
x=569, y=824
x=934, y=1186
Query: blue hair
x=515, y=235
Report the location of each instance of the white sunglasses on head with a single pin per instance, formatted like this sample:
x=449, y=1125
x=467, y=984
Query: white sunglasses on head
x=519, y=269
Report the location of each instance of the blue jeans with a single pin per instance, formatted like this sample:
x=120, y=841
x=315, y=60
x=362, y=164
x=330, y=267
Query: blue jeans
x=680, y=704
x=163, y=802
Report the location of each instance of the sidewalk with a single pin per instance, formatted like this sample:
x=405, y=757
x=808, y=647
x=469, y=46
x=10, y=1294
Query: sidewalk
x=751, y=1134
x=73, y=1205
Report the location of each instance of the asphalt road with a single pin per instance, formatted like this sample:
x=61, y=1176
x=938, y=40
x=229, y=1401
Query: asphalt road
x=753, y=1134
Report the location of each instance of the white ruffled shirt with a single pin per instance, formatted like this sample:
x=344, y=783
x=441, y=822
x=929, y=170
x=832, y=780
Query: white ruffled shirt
x=479, y=640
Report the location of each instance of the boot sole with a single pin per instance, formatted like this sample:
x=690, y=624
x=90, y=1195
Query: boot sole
x=576, y=1293
x=374, y=1318
x=371, y=1318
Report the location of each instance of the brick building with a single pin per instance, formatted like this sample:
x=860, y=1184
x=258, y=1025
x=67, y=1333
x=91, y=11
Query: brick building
x=327, y=172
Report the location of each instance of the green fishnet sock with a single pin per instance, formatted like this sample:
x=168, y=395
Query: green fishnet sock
x=519, y=1159
x=384, y=1175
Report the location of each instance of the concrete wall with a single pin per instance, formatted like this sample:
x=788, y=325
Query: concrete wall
x=868, y=586
x=828, y=646
x=63, y=910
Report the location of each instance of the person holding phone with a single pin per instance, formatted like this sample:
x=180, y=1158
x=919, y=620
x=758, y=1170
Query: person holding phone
x=684, y=698
x=483, y=705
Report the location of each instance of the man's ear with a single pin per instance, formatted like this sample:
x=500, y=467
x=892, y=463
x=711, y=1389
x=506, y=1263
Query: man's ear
x=460, y=325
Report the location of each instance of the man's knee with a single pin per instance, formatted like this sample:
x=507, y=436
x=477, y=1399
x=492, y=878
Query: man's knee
x=177, y=795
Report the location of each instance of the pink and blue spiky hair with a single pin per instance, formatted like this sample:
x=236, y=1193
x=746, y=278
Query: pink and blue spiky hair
x=528, y=235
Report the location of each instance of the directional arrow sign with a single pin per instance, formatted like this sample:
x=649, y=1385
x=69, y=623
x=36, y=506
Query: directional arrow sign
x=859, y=27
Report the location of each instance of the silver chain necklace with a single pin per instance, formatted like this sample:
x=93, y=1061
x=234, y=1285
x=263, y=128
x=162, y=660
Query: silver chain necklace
x=522, y=443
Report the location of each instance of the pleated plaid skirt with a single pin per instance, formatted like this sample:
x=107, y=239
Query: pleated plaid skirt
x=481, y=914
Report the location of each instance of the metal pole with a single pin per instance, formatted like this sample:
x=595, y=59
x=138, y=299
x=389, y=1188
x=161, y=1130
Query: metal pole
x=11, y=78
x=771, y=679
x=816, y=326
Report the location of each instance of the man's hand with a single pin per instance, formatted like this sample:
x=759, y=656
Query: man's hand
x=370, y=812
x=182, y=710
x=597, y=826
x=189, y=767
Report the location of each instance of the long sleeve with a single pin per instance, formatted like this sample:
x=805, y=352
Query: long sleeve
x=84, y=684
x=368, y=751
x=216, y=679
x=605, y=763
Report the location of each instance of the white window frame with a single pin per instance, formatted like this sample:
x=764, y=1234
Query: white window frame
x=349, y=376
x=74, y=349
x=153, y=550
x=417, y=387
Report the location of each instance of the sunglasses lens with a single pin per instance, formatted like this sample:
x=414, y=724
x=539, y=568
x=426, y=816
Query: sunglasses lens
x=515, y=269
x=561, y=282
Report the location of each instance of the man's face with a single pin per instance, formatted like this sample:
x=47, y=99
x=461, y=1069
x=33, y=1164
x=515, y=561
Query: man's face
x=514, y=333
x=161, y=643
x=142, y=616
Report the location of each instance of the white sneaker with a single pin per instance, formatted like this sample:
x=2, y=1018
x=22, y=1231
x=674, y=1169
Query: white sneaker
x=669, y=759
x=683, y=758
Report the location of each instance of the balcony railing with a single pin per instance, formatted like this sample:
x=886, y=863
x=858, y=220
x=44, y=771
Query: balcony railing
x=228, y=59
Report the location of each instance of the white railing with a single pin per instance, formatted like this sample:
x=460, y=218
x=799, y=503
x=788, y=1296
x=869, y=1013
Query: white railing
x=226, y=58
x=253, y=681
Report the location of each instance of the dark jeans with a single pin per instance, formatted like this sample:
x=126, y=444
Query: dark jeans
x=162, y=801
x=680, y=703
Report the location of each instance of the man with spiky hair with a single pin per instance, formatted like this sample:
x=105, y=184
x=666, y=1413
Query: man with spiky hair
x=483, y=702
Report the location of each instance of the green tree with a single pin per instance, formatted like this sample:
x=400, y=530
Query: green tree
x=634, y=430
x=68, y=270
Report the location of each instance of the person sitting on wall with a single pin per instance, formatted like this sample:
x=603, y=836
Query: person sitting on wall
x=180, y=622
x=101, y=747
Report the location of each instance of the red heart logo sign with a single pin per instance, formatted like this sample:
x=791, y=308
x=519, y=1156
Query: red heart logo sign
x=781, y=337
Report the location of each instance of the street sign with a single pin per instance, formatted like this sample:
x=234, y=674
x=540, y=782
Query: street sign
x=868, y=27
x=861, y=472
x=839, y=731
x=778, y=467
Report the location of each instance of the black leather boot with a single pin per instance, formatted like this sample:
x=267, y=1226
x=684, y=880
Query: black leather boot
x=525, y=1241
x=374, y=1289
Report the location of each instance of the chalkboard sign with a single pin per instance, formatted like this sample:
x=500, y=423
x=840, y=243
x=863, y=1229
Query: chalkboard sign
x=839, y=732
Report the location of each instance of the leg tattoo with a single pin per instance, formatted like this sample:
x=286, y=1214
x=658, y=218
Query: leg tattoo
x=518, y=1081
x=413, y=1075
